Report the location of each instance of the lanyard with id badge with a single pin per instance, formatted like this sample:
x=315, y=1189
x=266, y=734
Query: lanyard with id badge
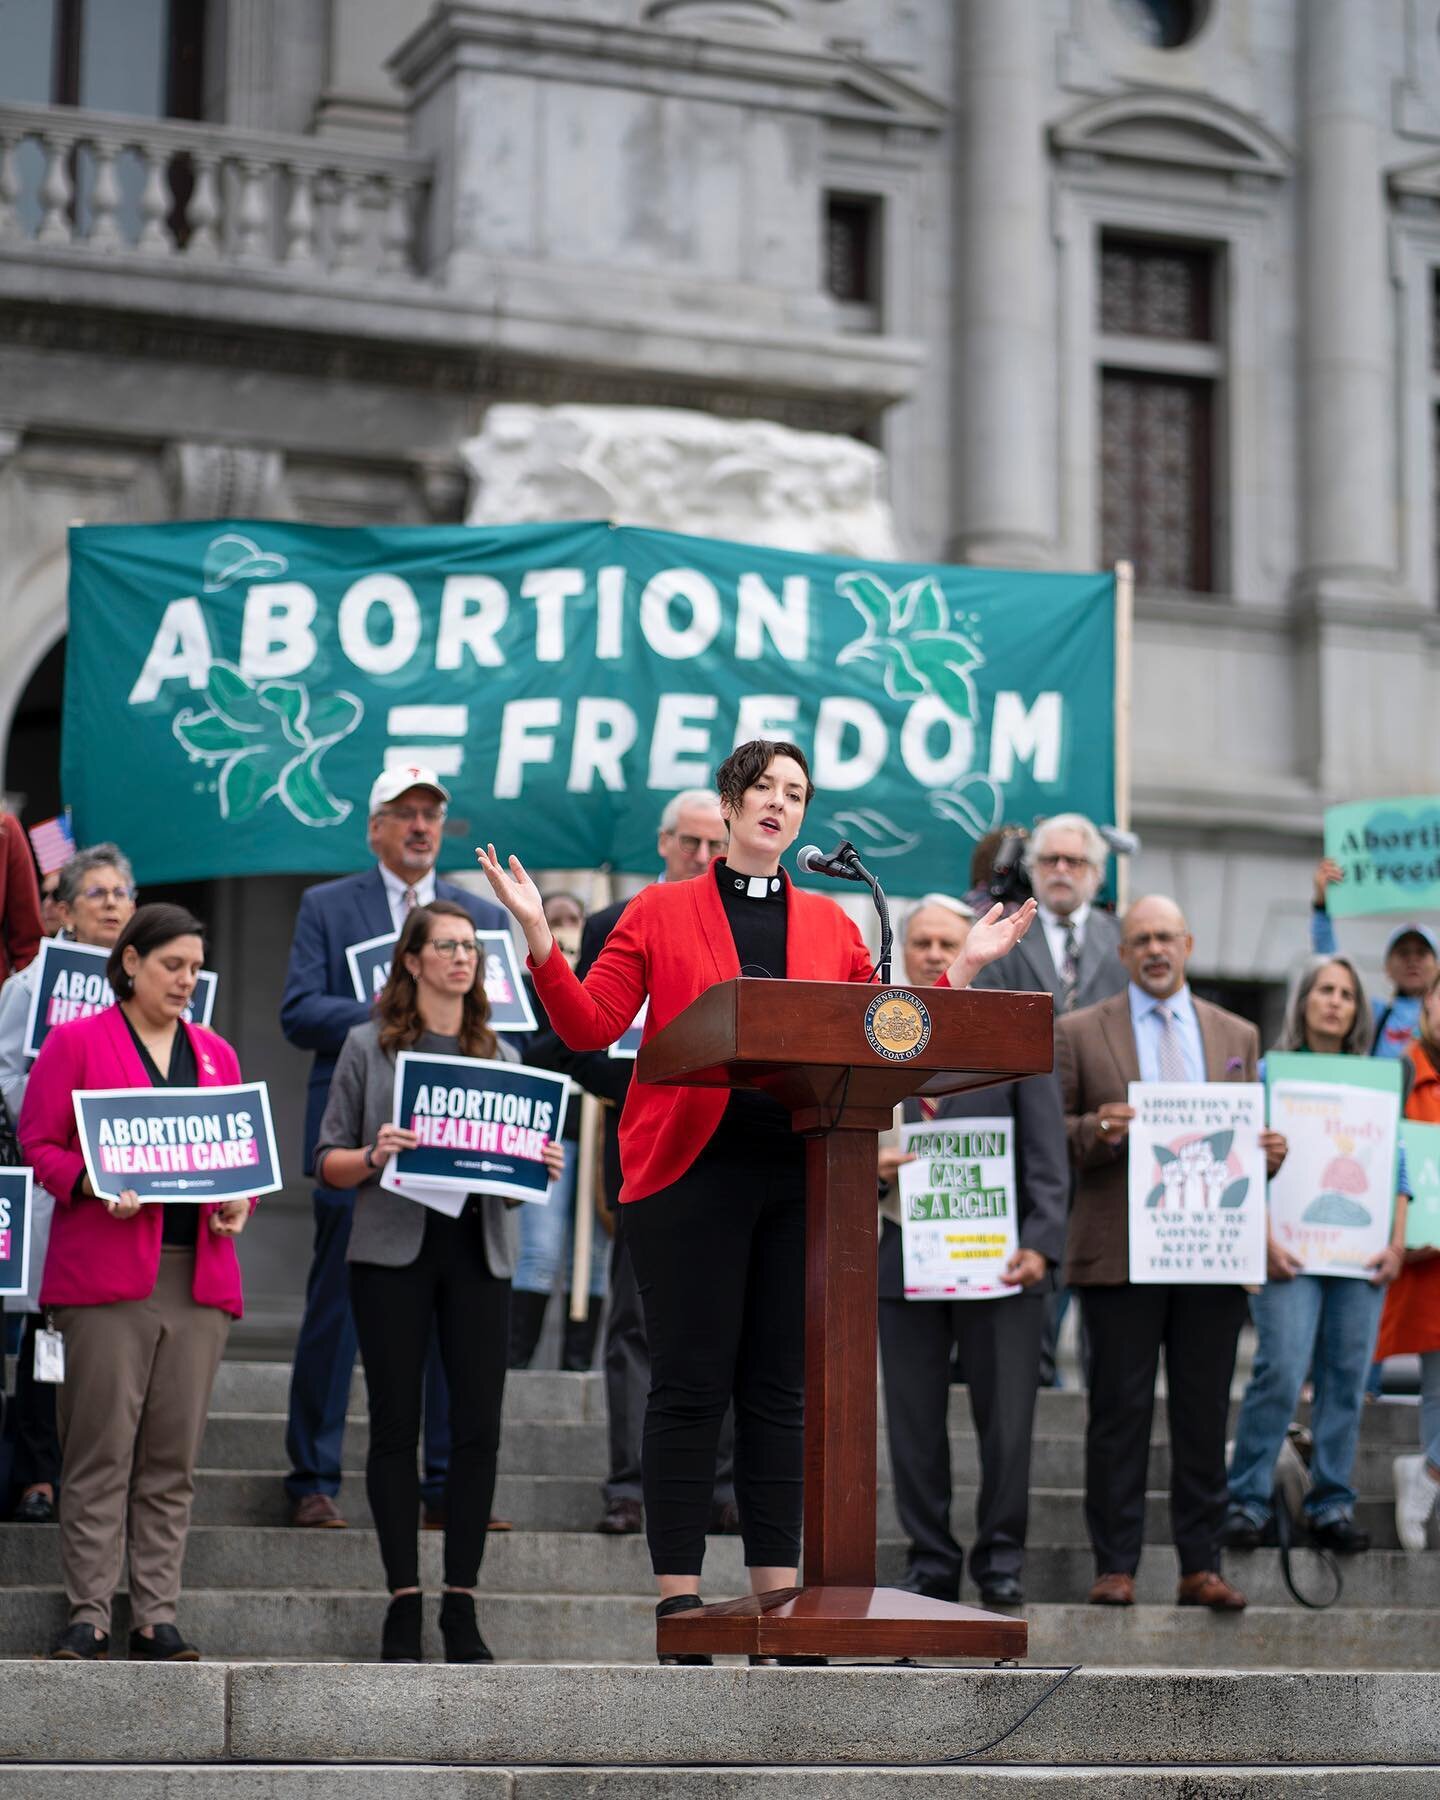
x=49, y=1352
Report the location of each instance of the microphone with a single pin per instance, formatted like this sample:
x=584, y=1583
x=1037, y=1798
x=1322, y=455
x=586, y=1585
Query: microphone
x=840, y=864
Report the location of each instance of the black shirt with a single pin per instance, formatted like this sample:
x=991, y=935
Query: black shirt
x=757, y=923
x=178, y=1224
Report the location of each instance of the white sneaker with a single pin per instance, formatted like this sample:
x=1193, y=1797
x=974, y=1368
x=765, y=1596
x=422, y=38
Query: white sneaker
x=1415, y=1496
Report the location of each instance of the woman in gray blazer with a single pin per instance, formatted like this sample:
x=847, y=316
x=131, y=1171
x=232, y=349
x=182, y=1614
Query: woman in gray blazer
x=414, y=1270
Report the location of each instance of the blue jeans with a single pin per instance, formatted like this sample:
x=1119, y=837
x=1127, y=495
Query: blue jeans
x=546, y=1236
x=1320, y=1323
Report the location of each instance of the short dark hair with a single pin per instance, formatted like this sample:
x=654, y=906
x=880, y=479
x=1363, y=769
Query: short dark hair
x=746, y=763
x=148, y=929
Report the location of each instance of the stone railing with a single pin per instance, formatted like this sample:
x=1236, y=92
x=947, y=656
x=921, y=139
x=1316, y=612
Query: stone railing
x=195, y=193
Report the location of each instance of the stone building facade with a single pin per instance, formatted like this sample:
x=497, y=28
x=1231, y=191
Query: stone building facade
x=1100, y=278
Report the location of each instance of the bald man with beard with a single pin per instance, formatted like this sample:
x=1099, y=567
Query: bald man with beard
x=1155, y=1030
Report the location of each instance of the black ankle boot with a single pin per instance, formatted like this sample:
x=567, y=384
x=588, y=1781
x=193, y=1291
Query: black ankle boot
x=678, y=1603
x=463, y=1642
x=577, y=1350
x=400, y=1636
x=527, y=1317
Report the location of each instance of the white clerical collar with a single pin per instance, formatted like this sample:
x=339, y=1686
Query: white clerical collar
x=753, y=887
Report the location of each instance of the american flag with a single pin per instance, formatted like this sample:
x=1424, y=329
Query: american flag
x=53, y=842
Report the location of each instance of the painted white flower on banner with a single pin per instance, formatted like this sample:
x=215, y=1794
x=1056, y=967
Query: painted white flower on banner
x=266, y=740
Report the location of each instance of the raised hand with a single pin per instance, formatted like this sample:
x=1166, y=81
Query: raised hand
x=990, y=938
x=518, y=894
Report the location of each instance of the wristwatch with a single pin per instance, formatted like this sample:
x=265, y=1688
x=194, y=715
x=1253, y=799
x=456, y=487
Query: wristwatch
x=370, y=1150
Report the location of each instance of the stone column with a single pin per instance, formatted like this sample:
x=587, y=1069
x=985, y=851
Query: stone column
x=1349, y=495
x=1006, y=434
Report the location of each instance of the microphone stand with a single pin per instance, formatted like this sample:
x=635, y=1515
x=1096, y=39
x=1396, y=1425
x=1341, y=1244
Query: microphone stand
x=846, y=860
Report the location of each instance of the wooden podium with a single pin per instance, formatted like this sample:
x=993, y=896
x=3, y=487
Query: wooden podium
x=841, y=1056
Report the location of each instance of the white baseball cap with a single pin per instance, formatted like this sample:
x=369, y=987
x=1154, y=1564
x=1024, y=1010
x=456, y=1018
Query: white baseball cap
x=399, y=780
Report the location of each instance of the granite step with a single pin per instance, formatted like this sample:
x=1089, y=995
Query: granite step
x=419, y=1781
x=729, y=1717
x=537, y=1394
x=344, y=1625
x=562, y=1447
x=524, y=1562
x=573, y=1503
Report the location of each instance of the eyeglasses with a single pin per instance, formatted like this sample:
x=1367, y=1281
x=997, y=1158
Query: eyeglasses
x=96, y=895
x=1062, y=862
x=450, y=948
x=412, y=815
x=1162, y=940
x=692, y=846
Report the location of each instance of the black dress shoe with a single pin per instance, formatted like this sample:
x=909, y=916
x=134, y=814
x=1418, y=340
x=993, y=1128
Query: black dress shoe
x=34, y=1509
x=678, y=1603
x=400, y=1634
x=166, y=1645
x=81, y=1643
x=622, y=1518
x=1237, y=1533
x=1342, y=1536
x=463, y=1642
x=929, y=1587
x=1001, y=1590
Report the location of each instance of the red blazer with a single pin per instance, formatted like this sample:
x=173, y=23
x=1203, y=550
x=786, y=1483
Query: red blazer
x=94, y=1259
x=19, y=899
x=671, y=943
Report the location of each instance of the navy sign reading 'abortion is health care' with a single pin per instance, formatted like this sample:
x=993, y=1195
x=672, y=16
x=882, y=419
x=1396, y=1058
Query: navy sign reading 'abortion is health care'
x=71, y=984
x=179, y=1144
x=510, y=1008
x=16, y=1194
x=563, y=681
x=481, y=1125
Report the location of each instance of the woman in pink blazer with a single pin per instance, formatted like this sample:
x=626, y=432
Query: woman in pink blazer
x=142, y=1295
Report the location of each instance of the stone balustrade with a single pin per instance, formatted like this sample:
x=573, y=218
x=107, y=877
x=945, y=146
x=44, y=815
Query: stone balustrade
x=198, y=193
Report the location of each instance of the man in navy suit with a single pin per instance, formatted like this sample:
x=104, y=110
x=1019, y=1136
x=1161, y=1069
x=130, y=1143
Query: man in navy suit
x=317, y=1010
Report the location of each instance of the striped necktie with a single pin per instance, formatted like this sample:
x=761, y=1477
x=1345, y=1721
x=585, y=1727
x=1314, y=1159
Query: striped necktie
x=1171, y=1059
x=411, y=900
x=1069, y=968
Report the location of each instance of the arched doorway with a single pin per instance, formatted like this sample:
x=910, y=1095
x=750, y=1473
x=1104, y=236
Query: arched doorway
x=32, y=749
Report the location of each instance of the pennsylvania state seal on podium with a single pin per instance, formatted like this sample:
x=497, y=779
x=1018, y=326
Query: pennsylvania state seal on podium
x=897, y=1025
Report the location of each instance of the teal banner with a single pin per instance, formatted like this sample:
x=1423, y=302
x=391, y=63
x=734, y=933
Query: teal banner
x=233, y=688
x=1390, y=852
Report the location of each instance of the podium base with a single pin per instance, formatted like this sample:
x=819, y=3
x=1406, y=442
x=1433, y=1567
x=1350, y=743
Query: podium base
x=841, y=1621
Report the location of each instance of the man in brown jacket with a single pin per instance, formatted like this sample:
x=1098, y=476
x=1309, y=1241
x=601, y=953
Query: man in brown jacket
x=1153, y=1031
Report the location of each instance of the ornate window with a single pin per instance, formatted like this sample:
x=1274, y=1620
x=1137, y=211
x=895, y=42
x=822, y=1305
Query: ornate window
x=852, y=257
x=1158, y=381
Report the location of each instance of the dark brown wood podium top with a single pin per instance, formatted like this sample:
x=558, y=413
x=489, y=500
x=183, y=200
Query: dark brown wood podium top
x=841, y=1056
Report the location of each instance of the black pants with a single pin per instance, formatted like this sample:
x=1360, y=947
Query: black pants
x=626, y=1360
x=999, y=1344
x=37, y=1440
x=448, y=1288
x=719, y=1260
x=1199, y=1328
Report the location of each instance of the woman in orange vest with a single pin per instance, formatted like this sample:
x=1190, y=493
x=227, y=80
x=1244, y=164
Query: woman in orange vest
x=1410, y=1324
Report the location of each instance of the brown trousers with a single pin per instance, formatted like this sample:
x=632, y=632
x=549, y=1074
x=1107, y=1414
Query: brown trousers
x=131, y=1412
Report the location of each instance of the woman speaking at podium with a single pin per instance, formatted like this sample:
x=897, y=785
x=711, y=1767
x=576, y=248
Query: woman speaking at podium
x=713, y=1195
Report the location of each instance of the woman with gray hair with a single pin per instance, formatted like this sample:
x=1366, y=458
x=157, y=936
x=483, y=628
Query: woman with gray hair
x=1321, y=1325
x=95, y=897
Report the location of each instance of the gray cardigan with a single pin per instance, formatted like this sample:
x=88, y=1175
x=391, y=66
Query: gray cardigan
x=388, y=1228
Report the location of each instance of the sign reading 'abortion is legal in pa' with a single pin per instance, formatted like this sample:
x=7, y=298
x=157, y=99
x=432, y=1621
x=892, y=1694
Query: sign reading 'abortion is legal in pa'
x=71, y=984
x=179, y=1144
x=482, y=1126
x=510, y=1008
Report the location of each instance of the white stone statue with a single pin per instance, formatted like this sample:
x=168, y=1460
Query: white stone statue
x=675, y=470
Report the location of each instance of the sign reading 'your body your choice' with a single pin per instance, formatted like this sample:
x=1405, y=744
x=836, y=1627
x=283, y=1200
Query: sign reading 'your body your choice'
x=563, y=681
